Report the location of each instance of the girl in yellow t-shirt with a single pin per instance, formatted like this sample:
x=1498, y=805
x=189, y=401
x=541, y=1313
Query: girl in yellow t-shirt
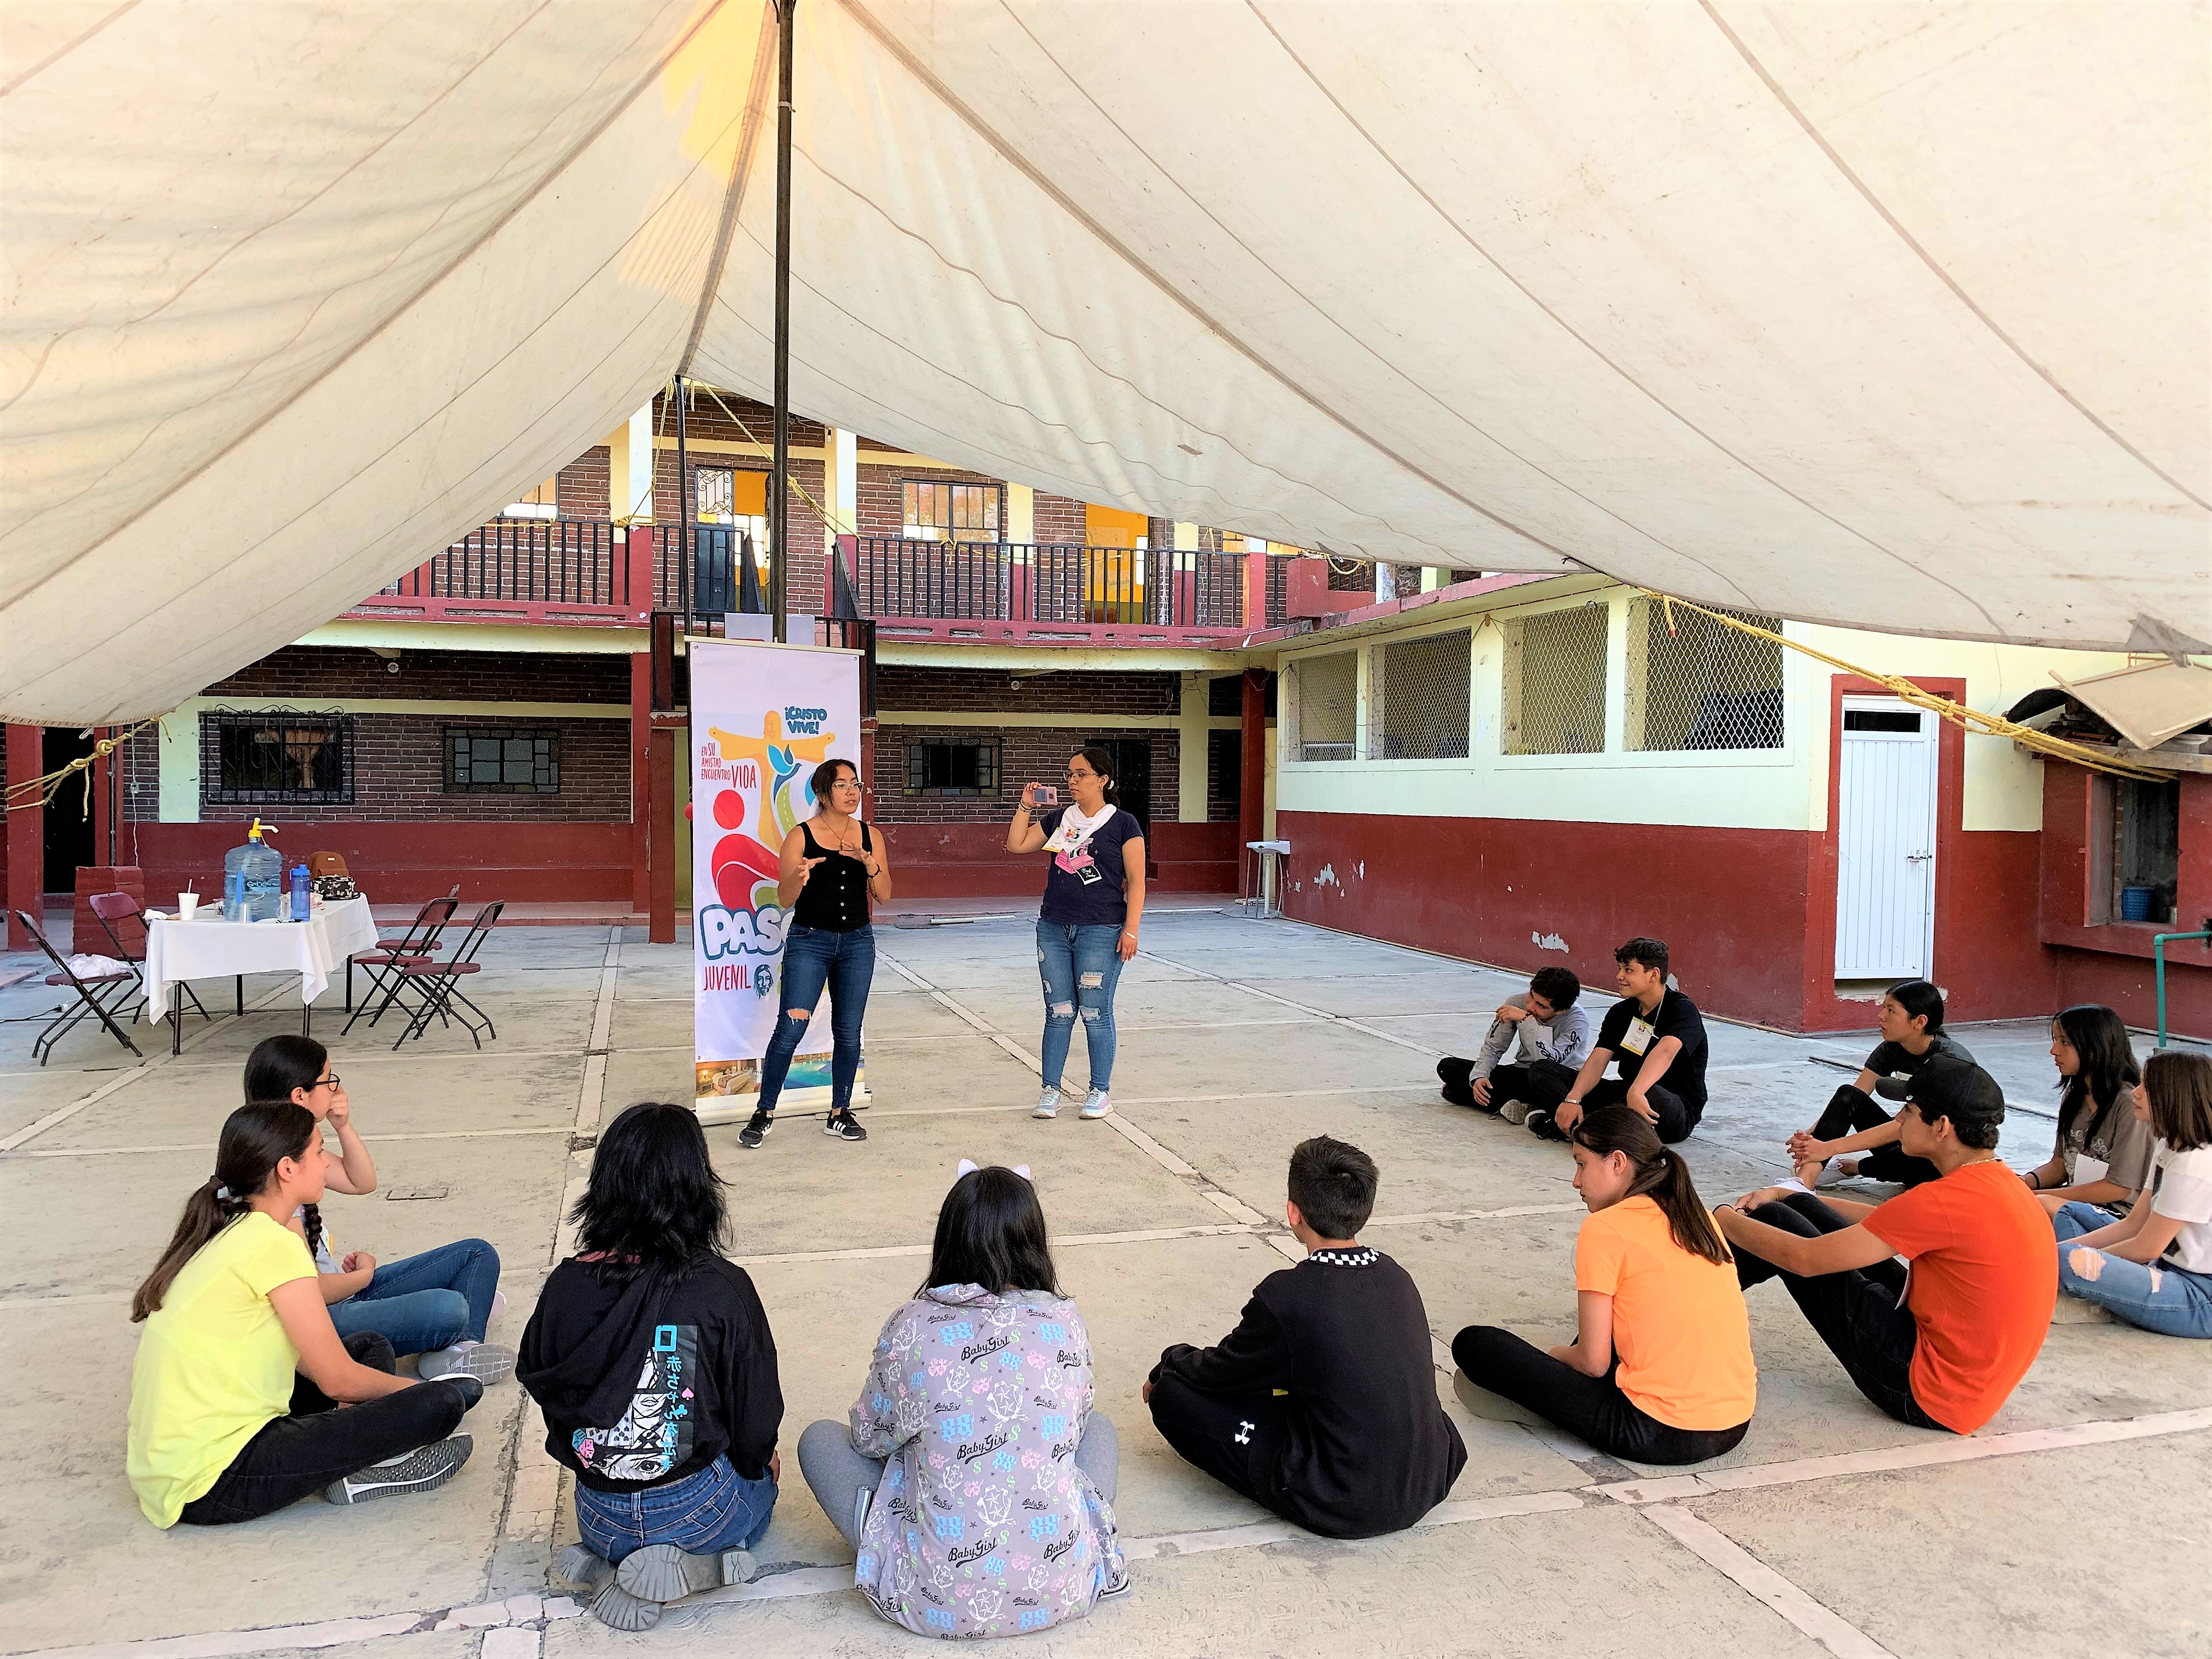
x=233, y=1392
x=1661, y=1370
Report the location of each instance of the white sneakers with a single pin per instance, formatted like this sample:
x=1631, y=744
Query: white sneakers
x=487, y=1362
x=1096, y=1104
x=424, y=1470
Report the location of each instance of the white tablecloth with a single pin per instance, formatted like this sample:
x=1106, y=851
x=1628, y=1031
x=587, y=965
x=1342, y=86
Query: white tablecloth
x=207, y=947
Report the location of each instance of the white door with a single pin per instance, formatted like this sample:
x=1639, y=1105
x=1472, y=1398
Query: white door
x=1886, y=820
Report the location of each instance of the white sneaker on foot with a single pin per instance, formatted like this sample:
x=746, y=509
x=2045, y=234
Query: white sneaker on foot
x=423, y=1469
x=1048, y=1104
x=487, y=1362
x=1515, y=1111
x=1098, y=1105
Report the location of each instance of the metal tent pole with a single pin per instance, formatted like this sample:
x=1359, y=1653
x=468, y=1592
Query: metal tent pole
x=779, y=477
x=682, y=506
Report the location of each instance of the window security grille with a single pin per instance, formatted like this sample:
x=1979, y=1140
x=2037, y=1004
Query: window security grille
x=1417, y=699
x=952, y=769
x=1703, y=686
x=1555, y=682
x=1329, y=698
x=953, y=512
x=481, y=761
x=277, y=757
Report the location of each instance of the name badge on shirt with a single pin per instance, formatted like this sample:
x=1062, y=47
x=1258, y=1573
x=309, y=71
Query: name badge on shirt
x=1639, y=1037
x=2087, y=1168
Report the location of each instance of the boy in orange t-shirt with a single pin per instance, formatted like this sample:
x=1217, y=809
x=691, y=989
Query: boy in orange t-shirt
x=1944, y=1347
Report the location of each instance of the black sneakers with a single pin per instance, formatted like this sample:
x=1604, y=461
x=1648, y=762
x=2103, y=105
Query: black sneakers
x=424, y=1470
x=756, y=1131
x=840, y=1124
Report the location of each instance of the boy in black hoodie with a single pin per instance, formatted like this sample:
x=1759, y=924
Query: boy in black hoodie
x=1322, y=1405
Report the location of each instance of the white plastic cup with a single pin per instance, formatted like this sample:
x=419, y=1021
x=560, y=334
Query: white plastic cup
x=187, y=903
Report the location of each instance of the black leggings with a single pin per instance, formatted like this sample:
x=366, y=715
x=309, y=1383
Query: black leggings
x=1543, y=1083
x=1674, y=1116
x=1591, y=1408
x=316, y=1445
x=1852, y=1109
x=1860, y=1313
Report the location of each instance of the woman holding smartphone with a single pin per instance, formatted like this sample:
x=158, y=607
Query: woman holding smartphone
x=1094, y=899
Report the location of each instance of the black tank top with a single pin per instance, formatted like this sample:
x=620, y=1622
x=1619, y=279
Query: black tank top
x=836, y=896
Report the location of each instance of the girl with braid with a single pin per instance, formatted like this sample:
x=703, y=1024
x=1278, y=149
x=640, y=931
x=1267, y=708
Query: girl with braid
x=234, y=1389
x=1661, y=1370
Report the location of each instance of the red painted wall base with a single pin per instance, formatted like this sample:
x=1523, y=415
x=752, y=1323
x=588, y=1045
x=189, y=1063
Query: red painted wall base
x=407, y=863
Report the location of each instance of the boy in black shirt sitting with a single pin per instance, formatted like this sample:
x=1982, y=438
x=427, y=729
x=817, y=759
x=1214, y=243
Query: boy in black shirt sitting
x=1659, y=1038
x=1322, y=1405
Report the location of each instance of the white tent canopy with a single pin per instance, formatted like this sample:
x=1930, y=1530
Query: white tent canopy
x=1894, y=315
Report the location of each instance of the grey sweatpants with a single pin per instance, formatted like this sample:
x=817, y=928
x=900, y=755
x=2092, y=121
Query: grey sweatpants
x=837, y=1475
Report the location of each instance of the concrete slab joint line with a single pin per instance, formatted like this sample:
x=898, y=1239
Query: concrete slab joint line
x=1344, y=1020
x=1761, y=1581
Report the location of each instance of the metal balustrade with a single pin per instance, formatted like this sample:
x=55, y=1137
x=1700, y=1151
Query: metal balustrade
x=1041, y=582
x=558, y=562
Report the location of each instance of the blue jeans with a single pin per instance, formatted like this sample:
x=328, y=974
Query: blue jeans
x=716, y=1509
x=1080, y=966
x=2168, y=1300
x=425, y=1302
x=814, y=957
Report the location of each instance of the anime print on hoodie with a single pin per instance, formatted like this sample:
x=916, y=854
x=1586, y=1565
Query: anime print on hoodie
x=983, y=1525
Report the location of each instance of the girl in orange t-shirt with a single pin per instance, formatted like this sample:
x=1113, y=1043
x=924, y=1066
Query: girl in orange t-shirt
x=1661, y=1371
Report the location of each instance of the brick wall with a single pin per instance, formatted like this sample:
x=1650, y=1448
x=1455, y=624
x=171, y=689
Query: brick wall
x=1027, y=754
x=805, y=574
x=1059, y=520
x=316, y=676
x=581, y=488
x=881, y=490
x=991, y=690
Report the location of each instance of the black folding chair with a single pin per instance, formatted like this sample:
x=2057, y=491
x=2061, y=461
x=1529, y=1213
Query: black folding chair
x=103, y=994
x=439, y=983
x=124, y=920
x=419, y=944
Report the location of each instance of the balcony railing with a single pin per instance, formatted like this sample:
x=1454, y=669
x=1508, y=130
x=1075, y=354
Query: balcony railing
x=1023, y=582
x=531, y=562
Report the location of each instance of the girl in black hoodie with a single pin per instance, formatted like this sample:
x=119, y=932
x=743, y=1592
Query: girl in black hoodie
x=651, y=1358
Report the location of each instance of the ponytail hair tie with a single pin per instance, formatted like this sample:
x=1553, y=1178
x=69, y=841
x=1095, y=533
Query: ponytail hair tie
x=221, y=1194
x=968, y=1167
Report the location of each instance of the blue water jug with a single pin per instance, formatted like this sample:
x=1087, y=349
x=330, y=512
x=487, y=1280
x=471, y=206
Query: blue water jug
x=300, y=906
x=260, y=873
x=234, y=895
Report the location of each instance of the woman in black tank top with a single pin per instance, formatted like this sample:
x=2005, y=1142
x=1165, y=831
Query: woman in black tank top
x=833, y=865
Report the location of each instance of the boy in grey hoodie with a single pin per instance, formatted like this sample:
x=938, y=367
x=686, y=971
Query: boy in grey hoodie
x=1553, y=1035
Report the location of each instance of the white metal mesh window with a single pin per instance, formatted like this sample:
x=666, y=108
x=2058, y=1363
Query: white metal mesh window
x=1327, y=701
x=1703, y=685
x=1417, y=699
x=1555, y=682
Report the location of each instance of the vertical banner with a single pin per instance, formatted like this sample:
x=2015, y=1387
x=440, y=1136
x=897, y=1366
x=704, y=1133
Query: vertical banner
x=762, y=718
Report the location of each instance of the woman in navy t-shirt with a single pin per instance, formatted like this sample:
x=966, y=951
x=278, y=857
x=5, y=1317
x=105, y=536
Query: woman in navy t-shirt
x=1094, y=897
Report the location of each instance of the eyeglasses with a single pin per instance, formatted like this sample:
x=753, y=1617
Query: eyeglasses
x=329, y=1082
x=1077, y=777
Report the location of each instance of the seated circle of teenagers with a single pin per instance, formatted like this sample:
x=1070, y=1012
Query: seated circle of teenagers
x=1548, y=1035
x=2102, y=1156
x=1912, y=1024
x=973, y=1477
x=1321, y=1404
x=1942, y=1346
x=1658, y=1038
x=2153, y=1267
x=1660, y=1370
x=437, y=1305
x=649, y=1355
x=237, y=1378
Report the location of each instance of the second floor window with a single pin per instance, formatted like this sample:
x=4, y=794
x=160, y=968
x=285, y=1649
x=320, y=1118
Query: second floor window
x=952, y=512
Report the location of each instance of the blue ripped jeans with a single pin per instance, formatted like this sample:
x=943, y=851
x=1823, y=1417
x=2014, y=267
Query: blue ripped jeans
x=814, y=957
x=709, y=1510
x=1080, y=966
x=2168, y=1300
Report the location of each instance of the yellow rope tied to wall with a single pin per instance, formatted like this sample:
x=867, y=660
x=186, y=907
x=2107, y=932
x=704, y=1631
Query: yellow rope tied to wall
x=1970, y=720
x=41, y=790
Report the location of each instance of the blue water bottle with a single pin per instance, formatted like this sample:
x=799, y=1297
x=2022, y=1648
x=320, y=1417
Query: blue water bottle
x=234, y=895
x=298, y=892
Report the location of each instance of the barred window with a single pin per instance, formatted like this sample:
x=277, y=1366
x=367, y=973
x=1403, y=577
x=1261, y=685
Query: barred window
x=1327, y=700
x=502, y=761
x=1703, y=685
x=1555, y=682
x=1417, y=699
x=277, y=757
x=952, y=769
x=954, y=511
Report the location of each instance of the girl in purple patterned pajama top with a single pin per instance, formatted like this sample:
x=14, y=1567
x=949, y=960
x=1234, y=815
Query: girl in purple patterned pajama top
x=974, y=1479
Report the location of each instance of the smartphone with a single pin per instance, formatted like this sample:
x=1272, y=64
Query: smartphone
x=1044, y=794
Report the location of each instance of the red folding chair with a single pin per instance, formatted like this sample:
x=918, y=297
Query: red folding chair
x=103, y=994
x=124, y=920
x=419, y=943
x=437, y=984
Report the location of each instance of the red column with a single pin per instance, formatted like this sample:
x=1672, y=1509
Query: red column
x=637, y=556
x=27, y=835
x=668, y=742
x=1255, y=590
x=103, y=800
x=641, y=743
x=1252, y=786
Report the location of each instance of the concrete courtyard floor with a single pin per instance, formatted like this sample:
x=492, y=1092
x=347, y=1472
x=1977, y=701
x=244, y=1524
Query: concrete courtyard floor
x=2077, y=1517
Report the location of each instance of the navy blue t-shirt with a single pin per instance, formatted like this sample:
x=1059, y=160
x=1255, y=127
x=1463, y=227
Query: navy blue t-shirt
x=1086, y=889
